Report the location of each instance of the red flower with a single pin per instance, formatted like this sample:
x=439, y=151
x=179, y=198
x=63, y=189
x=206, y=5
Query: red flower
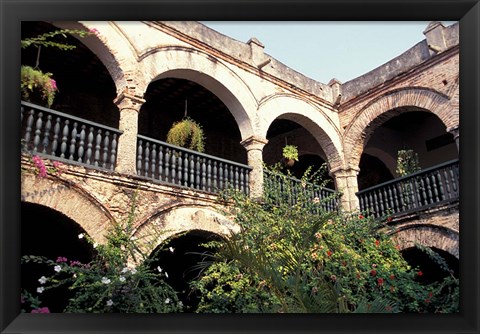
x=430, y=294
x=389, y=219
x=329, y=253
x=377, y=242
x=380, y=281
x=361, y=216
x=373, y=272
x=427, y=300
x=420, y=273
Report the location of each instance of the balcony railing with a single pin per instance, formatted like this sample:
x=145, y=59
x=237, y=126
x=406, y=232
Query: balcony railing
x=176, y=165
x=418, y=191
x=290, y=189
x=64, y=137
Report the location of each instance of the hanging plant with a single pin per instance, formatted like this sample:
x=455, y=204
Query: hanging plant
x=187, y=133
x=36, y=86
x=290, y=154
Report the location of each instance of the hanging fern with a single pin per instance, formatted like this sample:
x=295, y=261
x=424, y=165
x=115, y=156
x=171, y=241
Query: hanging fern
x=187, y=133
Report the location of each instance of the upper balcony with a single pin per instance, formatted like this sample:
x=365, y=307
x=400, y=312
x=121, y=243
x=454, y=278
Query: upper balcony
x=74, y=140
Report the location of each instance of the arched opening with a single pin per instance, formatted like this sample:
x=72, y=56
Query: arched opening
x=410, y=128
x=169, y=100
x=431, y=270
x=179, y=258
x=372, y=172
x=48, y=233
x=284, y=131
x=86, y=89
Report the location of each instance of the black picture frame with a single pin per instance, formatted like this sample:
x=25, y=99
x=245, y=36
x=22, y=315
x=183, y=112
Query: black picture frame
x=13, y=12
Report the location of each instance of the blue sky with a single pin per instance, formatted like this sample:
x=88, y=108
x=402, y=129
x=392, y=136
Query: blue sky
x=326, y=50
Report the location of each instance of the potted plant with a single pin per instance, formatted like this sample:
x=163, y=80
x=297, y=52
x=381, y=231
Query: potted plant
x=187, y=133
x=290, y=155
x=37, y=87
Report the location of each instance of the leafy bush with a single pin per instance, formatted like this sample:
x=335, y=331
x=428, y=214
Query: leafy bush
x=119, y=279
x=310, y=260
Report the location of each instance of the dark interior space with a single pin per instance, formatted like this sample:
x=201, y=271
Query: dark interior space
x=169, y=100
x=432, y=272
x=372, y=172
x=182, y=264
x=48, y=233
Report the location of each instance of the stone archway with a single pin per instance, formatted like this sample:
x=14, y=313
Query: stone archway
x=428, y=235
x=70, y=200
x=111, y=48
x=184, y=63
x=310, y=117
x=388, y=106
x=172, y=221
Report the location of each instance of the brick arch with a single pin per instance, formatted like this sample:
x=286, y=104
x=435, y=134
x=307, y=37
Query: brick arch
x=70, y=200
x=388, y=106
x=310, y=117
x=201, y=68
x=428, y=235
x=172, y=221
x=111, y=48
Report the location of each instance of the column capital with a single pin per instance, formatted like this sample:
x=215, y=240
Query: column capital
x=254, y=143
x=127, y=101
x=345, y=171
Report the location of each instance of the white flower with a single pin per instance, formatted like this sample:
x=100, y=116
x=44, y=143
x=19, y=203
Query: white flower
x=124, y=270
x=122, y=279
x=105, y=280
x=167, y=301
x=42, y=280
x=133, y=238
x=95, y=245
x=81, y=235
x=57, y=268
x=159, y=269
x=134, y=271
x=171, y=249
x=109, y=302
x=40, y=289
x=166, y=274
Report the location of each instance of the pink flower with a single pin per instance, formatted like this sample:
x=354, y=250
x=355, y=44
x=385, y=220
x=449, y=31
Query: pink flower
x=53, y=84
x=41, y=310
x=61, y=259
x=93, y=31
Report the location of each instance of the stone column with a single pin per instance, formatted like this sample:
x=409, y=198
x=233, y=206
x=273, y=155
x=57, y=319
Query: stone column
x=456, y=136
x=254, y=146
x=346, y=182
x=129, y=107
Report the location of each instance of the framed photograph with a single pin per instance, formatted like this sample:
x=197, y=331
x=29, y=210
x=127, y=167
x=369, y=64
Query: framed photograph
x=111, y=180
